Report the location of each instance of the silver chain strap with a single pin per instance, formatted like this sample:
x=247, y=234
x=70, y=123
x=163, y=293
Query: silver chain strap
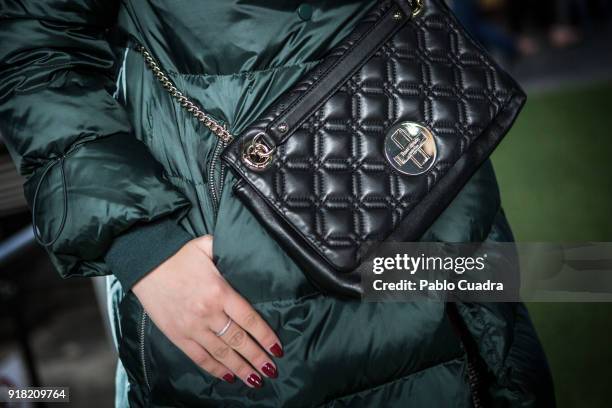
x=191, y=107
x=257, y=155
x=418, y=6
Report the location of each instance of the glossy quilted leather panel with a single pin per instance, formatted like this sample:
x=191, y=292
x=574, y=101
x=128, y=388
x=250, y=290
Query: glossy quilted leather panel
x=330, y=178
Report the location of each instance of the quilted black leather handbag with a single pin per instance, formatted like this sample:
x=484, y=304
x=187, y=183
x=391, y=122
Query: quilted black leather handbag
x=373, y=143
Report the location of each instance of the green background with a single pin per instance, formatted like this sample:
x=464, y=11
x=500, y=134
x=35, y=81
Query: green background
x=555, y=174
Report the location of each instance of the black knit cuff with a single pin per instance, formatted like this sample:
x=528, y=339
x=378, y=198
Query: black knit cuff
x=143, y=248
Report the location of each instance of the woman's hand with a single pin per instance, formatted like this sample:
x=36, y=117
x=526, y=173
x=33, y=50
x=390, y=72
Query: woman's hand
x=191, y=303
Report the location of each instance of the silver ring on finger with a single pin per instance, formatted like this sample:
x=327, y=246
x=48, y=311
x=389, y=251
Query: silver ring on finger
x=225, y=328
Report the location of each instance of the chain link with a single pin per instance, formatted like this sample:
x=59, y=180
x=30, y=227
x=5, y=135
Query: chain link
x=418, y=6
x=217, y=129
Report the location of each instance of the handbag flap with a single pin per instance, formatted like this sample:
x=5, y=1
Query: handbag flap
x=351, y=138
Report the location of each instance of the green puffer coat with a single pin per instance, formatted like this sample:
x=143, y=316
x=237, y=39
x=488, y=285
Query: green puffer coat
x=86, y=120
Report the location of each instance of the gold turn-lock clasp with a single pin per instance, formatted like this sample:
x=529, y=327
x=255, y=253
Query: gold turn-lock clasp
x=256, y=154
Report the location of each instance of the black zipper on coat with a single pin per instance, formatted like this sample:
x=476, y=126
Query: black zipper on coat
x=142, y=351
x=476, y=368
x=215, y=183
x=474, y=382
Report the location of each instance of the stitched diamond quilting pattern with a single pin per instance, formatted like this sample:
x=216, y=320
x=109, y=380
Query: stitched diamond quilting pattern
x=331, y=178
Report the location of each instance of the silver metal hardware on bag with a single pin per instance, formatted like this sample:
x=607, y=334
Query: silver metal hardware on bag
x=418, y=6
x=256, y=154
x=411, y=148
x=217, y=129
x=283, y=128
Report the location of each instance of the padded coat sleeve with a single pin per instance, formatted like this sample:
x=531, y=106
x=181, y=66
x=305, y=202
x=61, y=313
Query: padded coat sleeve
x=88, y=178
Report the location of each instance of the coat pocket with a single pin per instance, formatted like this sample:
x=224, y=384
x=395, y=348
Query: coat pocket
x=160, y=374
x=142, y=347
x=134, y=349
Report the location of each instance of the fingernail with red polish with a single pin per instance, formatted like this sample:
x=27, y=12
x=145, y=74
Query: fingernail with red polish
x=269, y=370
x=229, y=378
x=276, y=350
x=255, y=380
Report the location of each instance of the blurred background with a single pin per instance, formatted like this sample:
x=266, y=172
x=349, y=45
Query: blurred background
x=554, y=170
